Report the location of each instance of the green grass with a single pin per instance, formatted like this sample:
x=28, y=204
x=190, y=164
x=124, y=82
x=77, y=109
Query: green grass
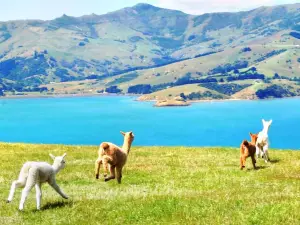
x=161, y=185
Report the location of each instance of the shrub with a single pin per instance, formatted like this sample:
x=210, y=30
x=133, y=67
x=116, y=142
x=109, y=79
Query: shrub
x=276, y=76
x=191, y=37
x=123, y=79
x=229, y=67
x=140, y=89
x=182, y=95
x=295, y=35
x=275, y=91
x=227, y=89
x=184, y=80
x=269, y=55
x=113, y=89
x=205, y=54
x=246, y=49
x=199, y=95
x=246, y=77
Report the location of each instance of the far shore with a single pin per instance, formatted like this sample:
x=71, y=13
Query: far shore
x=32, y=96
x=25, y=96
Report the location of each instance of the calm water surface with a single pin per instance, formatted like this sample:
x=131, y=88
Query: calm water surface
x=91, y=120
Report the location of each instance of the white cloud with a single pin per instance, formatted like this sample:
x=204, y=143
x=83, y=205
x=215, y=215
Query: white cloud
x=205, y=6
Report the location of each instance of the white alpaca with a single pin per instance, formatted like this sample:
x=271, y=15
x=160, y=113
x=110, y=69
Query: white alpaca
x=34, y=174
x=262, y=143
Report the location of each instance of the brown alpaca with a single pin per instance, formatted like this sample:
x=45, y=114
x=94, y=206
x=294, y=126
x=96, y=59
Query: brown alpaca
x=116, y=157
x=248, y=149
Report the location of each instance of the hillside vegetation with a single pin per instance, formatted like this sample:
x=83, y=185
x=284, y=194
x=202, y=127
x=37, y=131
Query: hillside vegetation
x=160, y=185
x=147, y=45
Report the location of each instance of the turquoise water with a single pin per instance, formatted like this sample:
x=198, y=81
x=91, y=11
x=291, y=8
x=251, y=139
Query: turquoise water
x=91, y=120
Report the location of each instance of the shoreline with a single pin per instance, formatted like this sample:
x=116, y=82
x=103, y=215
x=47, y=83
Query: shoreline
x=191, y=102
x=66, y=96
x=226, y=100
x=140, y=146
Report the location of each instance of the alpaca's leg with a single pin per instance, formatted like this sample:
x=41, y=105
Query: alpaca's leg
x=105, y=167
x=52, y=183
x=262, y=153
x=97, y=167
x=107, y=160
x=38, y=191
x=253, y=161
x=241, y=162
x=119, y=174
x=32, y=179
x=112, y=173
x=14, y=185
x=266, y=154
x=29, y=185
x=244, y=160
x=257, y=151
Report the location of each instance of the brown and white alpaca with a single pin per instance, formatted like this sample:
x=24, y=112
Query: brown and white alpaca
x=114, y=156
x=248, y=149
x=262, y=144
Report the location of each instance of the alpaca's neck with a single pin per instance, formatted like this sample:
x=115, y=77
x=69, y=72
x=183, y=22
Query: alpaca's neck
x=265, y=130
x=56, y=169
x=126, y=145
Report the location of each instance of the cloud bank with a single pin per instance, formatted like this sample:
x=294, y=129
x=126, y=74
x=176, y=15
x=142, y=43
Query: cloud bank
x=197, y=7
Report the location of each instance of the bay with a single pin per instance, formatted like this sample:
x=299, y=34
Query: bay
x=92, y=120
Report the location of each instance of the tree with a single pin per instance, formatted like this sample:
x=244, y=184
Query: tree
x=113, y=89
x=276, y=76
x=140, y=89
x=182, y=95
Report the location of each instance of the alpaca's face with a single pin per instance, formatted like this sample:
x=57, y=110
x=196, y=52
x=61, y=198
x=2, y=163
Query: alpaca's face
x=128, y=135
x=59, y=161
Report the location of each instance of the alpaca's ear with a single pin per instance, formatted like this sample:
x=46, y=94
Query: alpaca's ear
x=64, y=155
x=130, y=132
x=122, y=133
x=52, y=156
x=250, y=134
x=270, y=122
x=263, y=121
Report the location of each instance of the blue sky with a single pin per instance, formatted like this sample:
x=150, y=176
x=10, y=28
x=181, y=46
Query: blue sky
x=45, y=9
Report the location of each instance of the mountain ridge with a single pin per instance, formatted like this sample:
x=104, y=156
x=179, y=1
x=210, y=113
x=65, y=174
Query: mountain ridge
x=150, y=5
x=36, y=52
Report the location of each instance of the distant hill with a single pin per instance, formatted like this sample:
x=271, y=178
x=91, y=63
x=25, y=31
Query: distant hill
x=144, y=44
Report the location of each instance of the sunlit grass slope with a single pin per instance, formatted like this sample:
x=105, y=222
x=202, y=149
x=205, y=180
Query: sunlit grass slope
x=161, y=185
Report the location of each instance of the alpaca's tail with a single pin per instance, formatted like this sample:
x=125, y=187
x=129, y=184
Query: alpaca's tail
x=244, y=144
x=25, y=171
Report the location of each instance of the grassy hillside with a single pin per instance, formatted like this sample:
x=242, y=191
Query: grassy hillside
x=171, y=93
x=160, y=45
x=161, y=185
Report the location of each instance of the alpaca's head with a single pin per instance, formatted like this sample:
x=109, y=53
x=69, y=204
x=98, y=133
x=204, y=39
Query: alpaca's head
x=253, y=138
x=266, y=124
x=59, y=161
x=128, y=136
